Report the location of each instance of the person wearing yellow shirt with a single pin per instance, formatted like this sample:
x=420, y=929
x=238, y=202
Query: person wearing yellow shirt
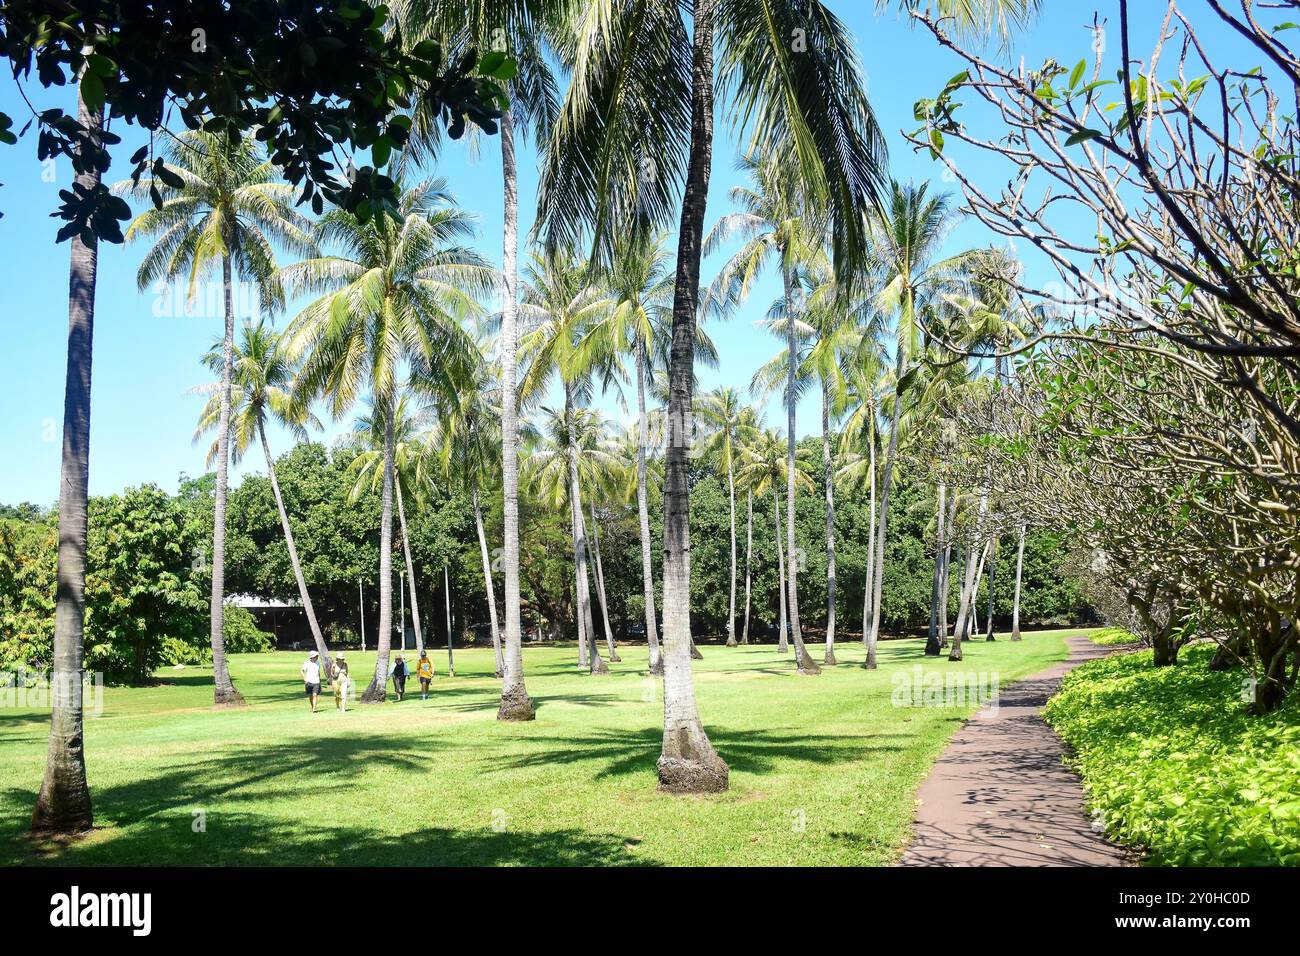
x=424, y=674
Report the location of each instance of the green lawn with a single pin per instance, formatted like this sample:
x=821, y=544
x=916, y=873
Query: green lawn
x=1174, y=765
x=823, y=770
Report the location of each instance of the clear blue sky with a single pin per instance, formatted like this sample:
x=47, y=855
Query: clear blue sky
x=147, y=358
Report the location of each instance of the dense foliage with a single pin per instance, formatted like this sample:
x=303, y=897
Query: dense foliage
x=1173, y=763
x=148, y=564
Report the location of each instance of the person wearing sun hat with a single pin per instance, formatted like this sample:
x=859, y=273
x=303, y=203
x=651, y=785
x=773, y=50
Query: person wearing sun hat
x=310, y=671
x=397, y=671
x=341, y=681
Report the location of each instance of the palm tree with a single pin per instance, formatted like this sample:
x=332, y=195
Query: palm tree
x=523, y=29
x=464, y=444
x=763, y=469
x=367, y=471
x=229, y=210
x=906, y=237
x=573, y=455
x=723, y=414
x=749, y=430
x=261, y=386
x=642, y=88
x=779, y=222
x=395, y=295
x=63, y=803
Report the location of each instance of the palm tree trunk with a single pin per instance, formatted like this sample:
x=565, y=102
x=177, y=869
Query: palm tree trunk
x=945, y=586
x=731, y=606
x=932, y=646
x=749, y=547
x=600, y=586
x=687, y=761
x=993, y=568
x=446, y=595
x=1015, y=603
x=782, y=644
x=294, y=562
x=643, y=515
x=804, y=664
x=869, y=609
x=515, y=702
x=885, y=482
x=224, y=692
x=410, y=574
x=488, y=585
x=63, y=805
x=580, y=555
x=968, y=589
x=377, y=692
x=829, y=472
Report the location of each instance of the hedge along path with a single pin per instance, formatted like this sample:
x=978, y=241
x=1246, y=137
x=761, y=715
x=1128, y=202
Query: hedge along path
x=1001, y=794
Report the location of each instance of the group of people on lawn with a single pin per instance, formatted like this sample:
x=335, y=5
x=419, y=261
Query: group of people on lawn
x=341, y=683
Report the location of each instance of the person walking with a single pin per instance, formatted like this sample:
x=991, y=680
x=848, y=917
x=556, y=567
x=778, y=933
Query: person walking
x=341, y=682
x=398, y=673
x=424, y=674
x=310, y=671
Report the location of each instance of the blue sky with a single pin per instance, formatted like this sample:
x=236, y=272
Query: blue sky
x=147, y=357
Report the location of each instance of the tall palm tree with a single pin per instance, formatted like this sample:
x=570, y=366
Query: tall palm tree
x=640, y=284
x=227, y=211
x=763, y=469
x=261, y=386
x=724, y=418
x=464, y=445
x=573, y=455
x=367, y=471
x=63, y=803
x=560, y=303
x=906, y=239
x=779, y=222
x=392, y=298
x=638, y=115
x=750, y=430
x=524, y=29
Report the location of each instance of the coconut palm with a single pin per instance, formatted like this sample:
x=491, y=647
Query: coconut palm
x=572, y=455
x=638, y=119
x=227, y=211
x=559, y=303
x=724, y=420
x=750, y=429
x=261, y=387
x=463, y=445
x=367, y=472
x=63, y=803
x=780, y=223
x=522, y=29
x=763, y=468
x=392, y=298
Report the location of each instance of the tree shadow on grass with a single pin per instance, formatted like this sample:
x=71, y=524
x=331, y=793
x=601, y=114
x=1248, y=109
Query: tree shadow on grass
x=152, y=820
x=748, y=751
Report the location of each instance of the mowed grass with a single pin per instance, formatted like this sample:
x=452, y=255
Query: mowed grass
x=823, y=770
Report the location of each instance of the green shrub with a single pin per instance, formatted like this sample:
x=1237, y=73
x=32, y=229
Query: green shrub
x=175, y=651
x=242, y=633
x=1172, y=763
x=1114, y=636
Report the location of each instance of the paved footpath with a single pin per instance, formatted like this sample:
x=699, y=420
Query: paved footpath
x=1001, y=796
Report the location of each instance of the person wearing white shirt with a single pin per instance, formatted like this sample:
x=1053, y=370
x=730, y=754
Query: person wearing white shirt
x=311, y=677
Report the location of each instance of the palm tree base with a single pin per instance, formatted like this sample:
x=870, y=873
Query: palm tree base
x=615, y=659
x=376, y=693
x=657, y=667
x=1015, y=635
x=228, y=697
x=695, y=653
x=990, y=638
x=516, y=705
x=829, y=659
x=808, y=667
x=955, y=654
x=599, y=666
x=62, y=816
x=689, y=764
